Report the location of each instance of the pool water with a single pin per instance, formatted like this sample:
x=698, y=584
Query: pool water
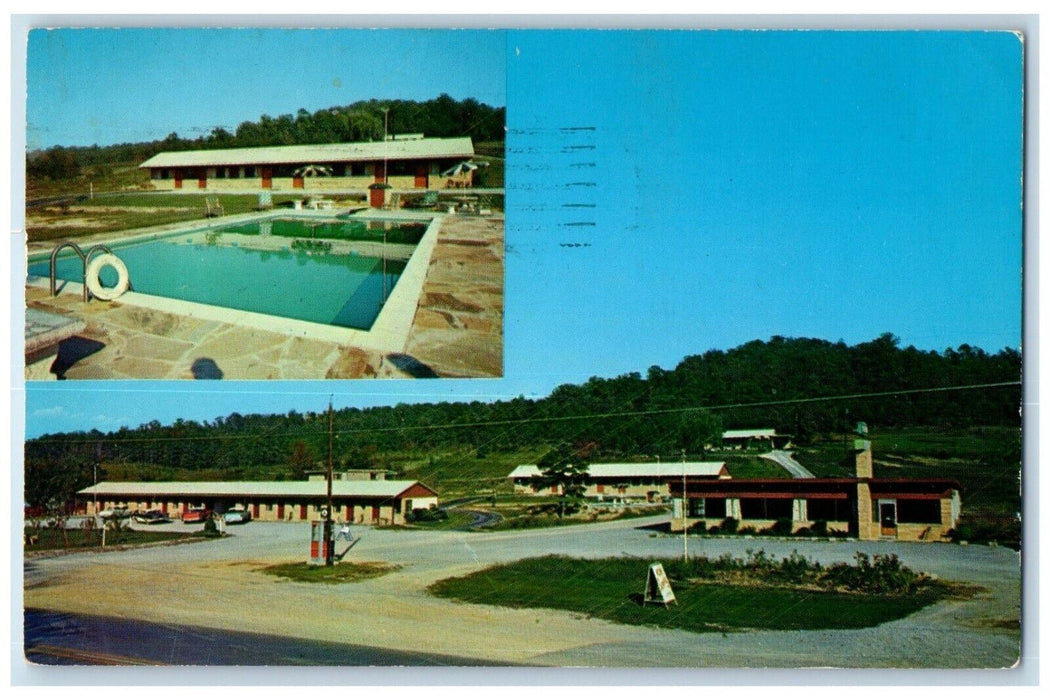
x=234, y=270
x=335, y=229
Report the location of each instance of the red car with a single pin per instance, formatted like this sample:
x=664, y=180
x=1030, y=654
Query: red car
x=196, y=515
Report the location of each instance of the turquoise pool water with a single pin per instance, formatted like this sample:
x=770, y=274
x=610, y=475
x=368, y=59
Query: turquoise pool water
x=231, y=268
x=336, y=229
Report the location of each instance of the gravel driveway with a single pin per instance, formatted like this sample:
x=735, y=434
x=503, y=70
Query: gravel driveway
x=216, y=584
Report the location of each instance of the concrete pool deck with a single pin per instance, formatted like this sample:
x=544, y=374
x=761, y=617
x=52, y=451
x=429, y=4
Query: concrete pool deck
x=453, y=325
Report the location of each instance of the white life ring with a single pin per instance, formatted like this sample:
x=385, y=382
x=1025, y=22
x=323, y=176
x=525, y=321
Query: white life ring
x=94, y=283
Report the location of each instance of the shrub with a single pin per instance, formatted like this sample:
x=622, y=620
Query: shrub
x=211, y=528
x=819, y=528
x=426, y=515
x=729, y=526
x=879, y=574
x=698, y=528
x=781, y=527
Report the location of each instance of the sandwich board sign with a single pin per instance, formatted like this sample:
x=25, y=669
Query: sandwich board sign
x=657, y=587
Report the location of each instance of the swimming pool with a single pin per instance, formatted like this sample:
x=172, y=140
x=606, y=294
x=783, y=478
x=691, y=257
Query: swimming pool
x=325, y=271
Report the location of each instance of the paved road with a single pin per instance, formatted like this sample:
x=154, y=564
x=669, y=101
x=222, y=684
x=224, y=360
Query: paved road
x=785, y=460
x=213, y=585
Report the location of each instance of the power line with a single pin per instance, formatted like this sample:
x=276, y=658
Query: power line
x=548, y=419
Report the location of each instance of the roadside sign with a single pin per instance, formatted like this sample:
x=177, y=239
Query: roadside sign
x=658, y=587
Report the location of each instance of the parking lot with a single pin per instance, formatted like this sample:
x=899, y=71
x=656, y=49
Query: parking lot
x=216, y=584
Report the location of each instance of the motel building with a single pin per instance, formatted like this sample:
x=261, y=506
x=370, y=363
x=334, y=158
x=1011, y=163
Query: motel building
x=754, y=438
x=646, y=480
x=371, y=502
x=865, y=507
x=406, y=161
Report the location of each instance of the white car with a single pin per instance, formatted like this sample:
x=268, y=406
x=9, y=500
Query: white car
x=115, y=512
x=237, y=515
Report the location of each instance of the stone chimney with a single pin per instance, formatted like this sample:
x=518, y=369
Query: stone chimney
x=862, y=450
x=866, y=525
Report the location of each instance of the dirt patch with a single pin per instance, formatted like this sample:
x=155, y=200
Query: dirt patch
x=351, y=364
x=50, y=223
x=443, y=300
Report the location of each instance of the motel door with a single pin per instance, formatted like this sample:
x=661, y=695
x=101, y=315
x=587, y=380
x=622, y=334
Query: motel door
x=888, y=518
x=421, y=175
x=380, y=170
x=177, y=174
x=297, y=182
x=267, y=178
x=202, y=178
x=280, y=511
x=375, y=514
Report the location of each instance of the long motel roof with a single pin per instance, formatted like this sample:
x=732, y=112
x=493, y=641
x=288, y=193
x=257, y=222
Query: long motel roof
x=656, y=470
x=749, y=433
x=459, y=147
x=258, y=489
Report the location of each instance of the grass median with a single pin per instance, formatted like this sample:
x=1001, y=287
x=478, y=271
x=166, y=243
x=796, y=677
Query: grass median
x=730, y=595
x=338, y=573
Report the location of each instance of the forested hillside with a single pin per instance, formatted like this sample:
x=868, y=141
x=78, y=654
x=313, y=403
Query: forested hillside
x=360, y=121
x=780, y=381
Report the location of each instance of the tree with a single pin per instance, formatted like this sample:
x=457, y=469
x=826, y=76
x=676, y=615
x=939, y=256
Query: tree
x=565, y=469
x=301, y=459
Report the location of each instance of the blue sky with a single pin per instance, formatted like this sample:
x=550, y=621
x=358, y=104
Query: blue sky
x=674, y=192
x=105, y=86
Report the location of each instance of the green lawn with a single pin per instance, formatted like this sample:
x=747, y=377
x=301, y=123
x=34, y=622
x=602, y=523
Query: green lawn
x=986, y=461
x=611, y=589
x=750, y=466
x=77, y=538
x=123, y=212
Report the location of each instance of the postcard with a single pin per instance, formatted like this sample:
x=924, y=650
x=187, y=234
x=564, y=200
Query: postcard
x=723, y=326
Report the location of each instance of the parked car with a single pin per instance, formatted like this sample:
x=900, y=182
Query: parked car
x=115, y=512
x=195, y=515
x=237, y=515
x=151, y=517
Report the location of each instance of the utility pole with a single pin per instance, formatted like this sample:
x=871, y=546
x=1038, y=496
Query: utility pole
x=685, y=515
x=386, y=146
x=329, y=558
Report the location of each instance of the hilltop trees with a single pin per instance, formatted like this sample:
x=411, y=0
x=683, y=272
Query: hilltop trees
x=440, y=117
x=631, y=416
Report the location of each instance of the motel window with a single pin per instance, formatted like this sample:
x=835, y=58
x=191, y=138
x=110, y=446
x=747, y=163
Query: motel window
x=765, y=508
x=697, y=508
x=918, y=511
x=359, y=169
x=338, y=169
x=269, y=507
x=829, y=509
x=402, y=167
x=249, y=171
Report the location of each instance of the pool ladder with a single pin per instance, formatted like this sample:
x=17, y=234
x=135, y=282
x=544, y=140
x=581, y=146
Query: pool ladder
x=84, y=257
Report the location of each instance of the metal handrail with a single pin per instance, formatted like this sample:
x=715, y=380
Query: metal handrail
x=84, y=257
